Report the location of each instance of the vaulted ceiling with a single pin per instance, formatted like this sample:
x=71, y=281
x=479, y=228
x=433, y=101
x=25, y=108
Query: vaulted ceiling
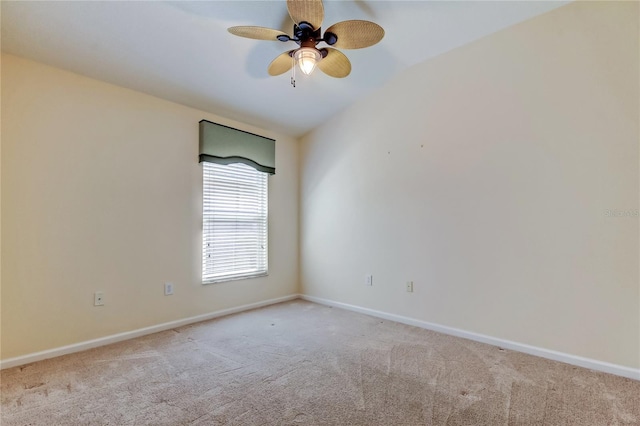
x=181, y=50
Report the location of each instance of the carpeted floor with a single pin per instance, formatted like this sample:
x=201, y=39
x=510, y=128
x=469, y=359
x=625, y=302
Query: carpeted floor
x=302, y=363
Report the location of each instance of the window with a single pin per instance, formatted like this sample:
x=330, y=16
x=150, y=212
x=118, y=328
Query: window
x=234, y=222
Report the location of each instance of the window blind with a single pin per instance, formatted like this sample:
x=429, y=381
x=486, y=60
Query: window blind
x=235, y=210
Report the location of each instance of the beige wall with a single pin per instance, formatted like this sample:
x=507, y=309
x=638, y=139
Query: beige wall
x=101, y=190
x=1, y=212
x=484, y=175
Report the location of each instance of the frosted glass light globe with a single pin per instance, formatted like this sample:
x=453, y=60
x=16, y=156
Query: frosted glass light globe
x=307, y=58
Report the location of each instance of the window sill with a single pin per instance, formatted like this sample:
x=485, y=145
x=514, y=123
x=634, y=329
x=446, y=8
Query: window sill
x=244, y=277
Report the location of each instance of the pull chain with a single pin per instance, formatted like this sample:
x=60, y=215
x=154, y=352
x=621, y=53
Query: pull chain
x=293, y=71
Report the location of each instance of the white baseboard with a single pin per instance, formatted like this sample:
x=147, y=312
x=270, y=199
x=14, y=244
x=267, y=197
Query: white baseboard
x=619, y=370
x=89, y=344
x=592, y=364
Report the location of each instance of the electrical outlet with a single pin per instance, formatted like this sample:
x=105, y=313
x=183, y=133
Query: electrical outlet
x=168, y=289
x=368, y=280
x=410, y=286
x=98, y=298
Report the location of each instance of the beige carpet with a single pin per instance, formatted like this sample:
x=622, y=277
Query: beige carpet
x=302, y=363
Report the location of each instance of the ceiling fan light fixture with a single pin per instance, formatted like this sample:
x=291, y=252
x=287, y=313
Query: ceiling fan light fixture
x=307, y=58
x=307, y=17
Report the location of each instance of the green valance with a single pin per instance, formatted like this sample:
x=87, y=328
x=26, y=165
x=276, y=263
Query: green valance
x=225, y=145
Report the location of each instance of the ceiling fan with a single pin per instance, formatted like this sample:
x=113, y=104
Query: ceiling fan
x=307, y=16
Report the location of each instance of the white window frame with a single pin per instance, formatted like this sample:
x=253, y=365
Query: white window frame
x=235, y=222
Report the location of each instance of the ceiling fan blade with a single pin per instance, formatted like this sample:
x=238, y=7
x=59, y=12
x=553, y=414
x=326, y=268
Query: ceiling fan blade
x=281, y=64
x=310, y=11
x=335, y=64
x=356, y=34
x=258, y=33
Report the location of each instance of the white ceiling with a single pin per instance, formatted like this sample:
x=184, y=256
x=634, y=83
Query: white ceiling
x=181, y=50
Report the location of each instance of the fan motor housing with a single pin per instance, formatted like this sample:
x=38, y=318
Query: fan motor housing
x=304, y=32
